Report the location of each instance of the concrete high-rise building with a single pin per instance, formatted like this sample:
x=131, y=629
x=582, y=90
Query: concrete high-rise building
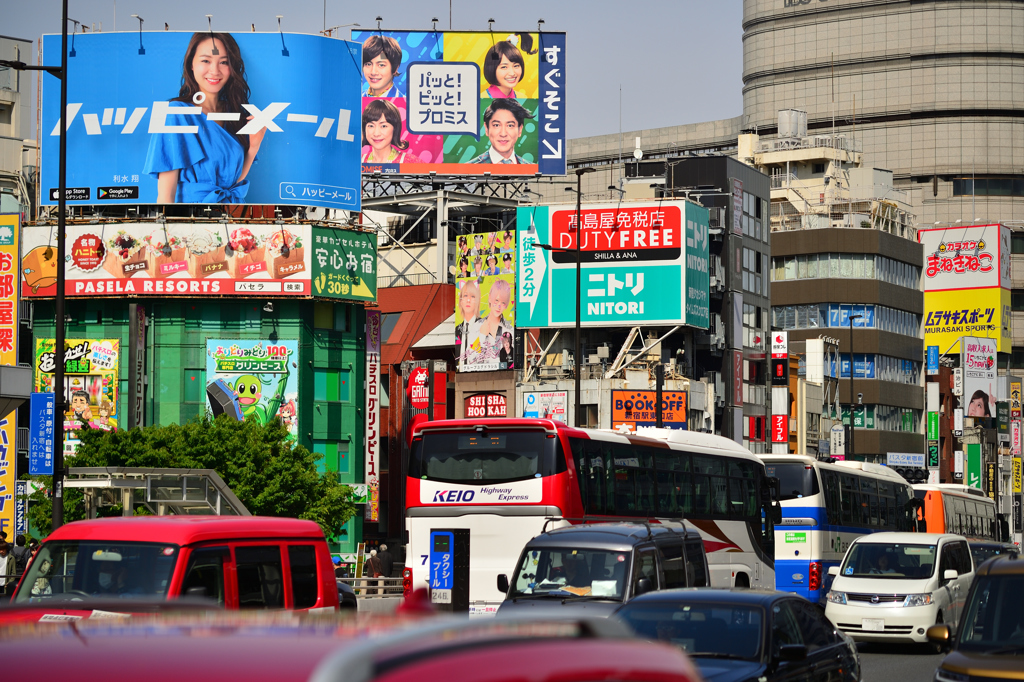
x=932, y=90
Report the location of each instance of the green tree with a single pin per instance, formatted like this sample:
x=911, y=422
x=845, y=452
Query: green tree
x=269, y=473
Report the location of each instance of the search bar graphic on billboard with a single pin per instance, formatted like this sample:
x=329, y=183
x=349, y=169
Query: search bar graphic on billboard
x=316, y=194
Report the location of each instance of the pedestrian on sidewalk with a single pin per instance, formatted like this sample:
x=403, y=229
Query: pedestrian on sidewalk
x=7, y=570
x=387, y=562
x=372, y=570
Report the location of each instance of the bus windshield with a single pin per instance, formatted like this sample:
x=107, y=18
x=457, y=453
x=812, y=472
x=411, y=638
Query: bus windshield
x=492, y=456
x=796, y=479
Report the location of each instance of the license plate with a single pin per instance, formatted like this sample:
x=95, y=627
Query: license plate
x=441, y=596
x=873, y=624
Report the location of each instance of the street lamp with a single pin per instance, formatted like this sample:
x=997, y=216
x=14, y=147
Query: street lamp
x=580, y=172
x=853, y=372
x=57, y=518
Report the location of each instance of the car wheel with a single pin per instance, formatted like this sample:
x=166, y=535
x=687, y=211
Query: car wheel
x=742, y=580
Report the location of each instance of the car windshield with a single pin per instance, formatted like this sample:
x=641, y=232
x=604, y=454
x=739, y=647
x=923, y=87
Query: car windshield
x=73, y=569
x=995, y=615
x=889, y=560
x=571, y=572
x=982, y=553
x=796, y=479
x=708, y=630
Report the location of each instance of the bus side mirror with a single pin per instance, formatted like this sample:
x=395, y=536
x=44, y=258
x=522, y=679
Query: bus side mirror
x=777, y=513
x=502, y=583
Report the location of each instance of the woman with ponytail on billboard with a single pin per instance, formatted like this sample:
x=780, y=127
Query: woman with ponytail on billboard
x=209, y=166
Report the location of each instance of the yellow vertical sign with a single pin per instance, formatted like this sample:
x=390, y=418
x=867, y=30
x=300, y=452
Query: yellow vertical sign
x=1017, y=483
x=10, y=230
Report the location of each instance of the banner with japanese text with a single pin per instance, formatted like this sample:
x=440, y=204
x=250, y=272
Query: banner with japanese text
x=260, y=377
x=10, y=230
x=91, y=389
x=373, y=429
x=454, y=102
x=641, y=264
x=175, y=117
x=967, y=284
x=344, y=264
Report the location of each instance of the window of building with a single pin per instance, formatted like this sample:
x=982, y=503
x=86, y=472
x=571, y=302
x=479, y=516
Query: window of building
x=333, y=316
x=1017, y=299
x=846, y=266
x=1017, y=242
x=818, y=168
x=387, y=325
x=195, y=386
x=835, y=315
x=332, y=385
x=1012, y=186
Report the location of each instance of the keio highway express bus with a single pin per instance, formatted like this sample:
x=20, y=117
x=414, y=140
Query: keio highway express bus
x=825, y=507
x=478, y=490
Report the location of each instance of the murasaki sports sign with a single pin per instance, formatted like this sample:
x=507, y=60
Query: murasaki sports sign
x=529, y=491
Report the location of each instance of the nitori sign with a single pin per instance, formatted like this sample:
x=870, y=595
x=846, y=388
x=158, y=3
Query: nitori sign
x=639, y=264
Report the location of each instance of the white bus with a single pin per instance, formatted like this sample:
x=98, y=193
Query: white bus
x=483, y=488
x=824, y=508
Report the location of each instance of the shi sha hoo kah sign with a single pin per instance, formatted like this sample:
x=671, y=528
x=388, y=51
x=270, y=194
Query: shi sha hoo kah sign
x=170, y=259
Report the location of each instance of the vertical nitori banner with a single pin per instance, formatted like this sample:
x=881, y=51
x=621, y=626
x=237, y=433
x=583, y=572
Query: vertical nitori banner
x=372, y=414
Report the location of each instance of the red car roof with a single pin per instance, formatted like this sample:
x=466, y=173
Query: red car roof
x=185, y=530
x=282, y=647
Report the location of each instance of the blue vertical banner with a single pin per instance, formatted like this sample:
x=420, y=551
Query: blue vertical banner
x=40, y=439
x=20, y=508
x=442, y=566
x=933, y=360
x=551, y=149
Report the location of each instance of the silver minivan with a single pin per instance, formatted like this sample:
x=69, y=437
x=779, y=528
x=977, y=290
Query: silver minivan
x=597, y=567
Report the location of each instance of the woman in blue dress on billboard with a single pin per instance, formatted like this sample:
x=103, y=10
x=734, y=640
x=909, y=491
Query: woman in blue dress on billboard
x=208, y=166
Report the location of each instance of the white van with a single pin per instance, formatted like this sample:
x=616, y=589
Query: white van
x=893, y=586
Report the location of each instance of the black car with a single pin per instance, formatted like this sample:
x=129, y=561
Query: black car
x=983, y=550
x=745, y=634
x=346, y=596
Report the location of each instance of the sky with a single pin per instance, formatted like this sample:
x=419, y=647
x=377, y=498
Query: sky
x=676, y=61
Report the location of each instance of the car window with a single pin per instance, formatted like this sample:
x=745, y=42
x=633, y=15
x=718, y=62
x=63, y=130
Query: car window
x=785, y=629
x=948, y=560
x=672, y=564
x=260, y=581
x=817, y=631
x=695, y=563
x=204, y=576
x=646, y=567
x=965, y=558
x=302, y=561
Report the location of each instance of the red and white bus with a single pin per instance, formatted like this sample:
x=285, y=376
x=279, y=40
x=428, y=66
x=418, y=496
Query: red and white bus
x=493, y=483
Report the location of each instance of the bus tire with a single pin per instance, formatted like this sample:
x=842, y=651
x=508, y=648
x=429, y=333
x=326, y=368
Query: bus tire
x=742, y=580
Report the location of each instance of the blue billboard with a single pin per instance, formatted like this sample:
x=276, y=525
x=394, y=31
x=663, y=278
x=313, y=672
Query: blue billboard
x=205, y=118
